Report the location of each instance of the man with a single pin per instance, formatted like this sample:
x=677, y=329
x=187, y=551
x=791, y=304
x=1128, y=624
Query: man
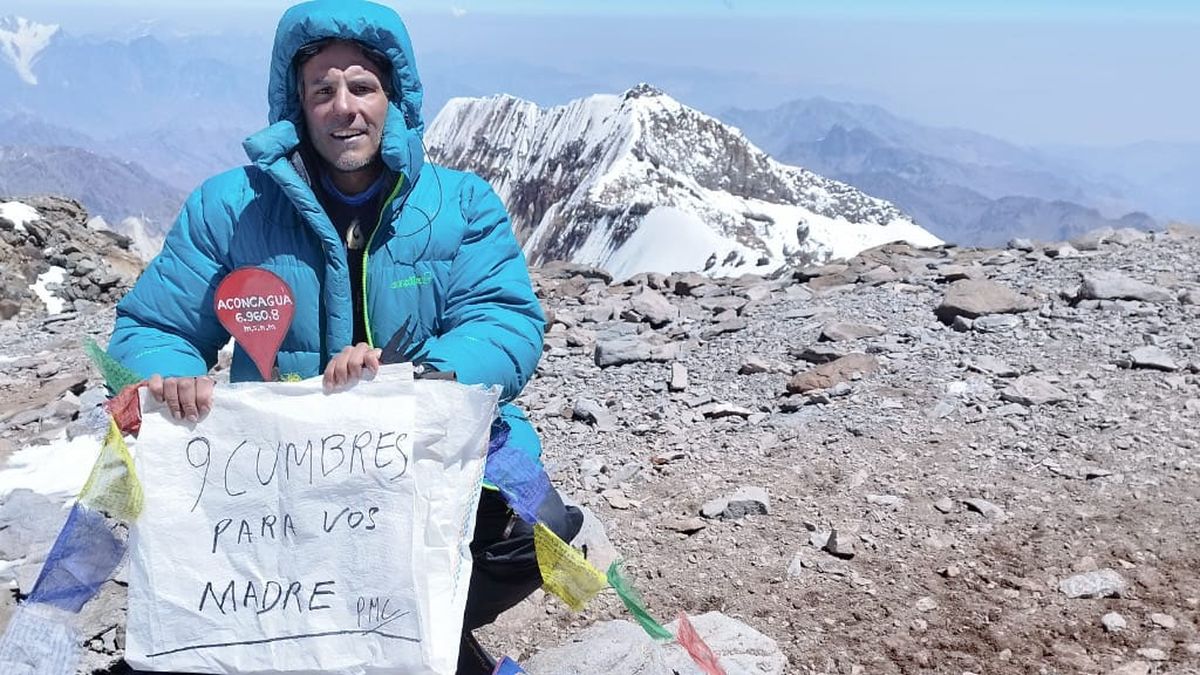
x=389, y=258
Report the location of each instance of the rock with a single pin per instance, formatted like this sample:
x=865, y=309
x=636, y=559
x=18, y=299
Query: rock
x=653, y=308
x=1153, y=358
x=1162, y=620
x=1126, y=236
x=1105, y=583
x=754, y=365
x=842, y=331
x=685, y=525
x=945, y=505
x=818, y=353
x=593, y=539
x=1152, y=654
x=616, y=499
x=33, y=521
x=989, y=365
x=679, y=378
x=1132, y=668
x=720, y=410
x=971, y=298
x=1021, y=244
x=727, y=326
x=879, y=275
x=838, y=546
x=926, y=604
x=623, y=647
x=826, y=375
x=996, y=323
x=985, y=508
x=622, y=350
x=1031, y=391
x=1113, y=622
x=592, y=412
x=746, y=501
x=1092, y=240
x=1109, y=285
x=890, y=501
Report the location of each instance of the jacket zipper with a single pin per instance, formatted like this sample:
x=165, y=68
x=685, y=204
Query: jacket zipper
x=367, y=255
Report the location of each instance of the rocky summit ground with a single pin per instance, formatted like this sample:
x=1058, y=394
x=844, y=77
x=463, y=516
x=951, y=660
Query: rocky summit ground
x=948, y=460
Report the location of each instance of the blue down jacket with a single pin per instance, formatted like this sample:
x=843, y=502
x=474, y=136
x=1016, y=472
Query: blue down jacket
x=444, y=276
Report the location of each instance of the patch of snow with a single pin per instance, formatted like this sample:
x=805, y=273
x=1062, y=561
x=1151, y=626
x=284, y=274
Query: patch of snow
x=21, y=41
x=55, y=275
x=56, y=469
x=19, y=213
x=667, y=240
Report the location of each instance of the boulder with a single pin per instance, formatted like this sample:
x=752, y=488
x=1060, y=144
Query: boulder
x=827, y=375
x=1109, y=285
x=973, y=298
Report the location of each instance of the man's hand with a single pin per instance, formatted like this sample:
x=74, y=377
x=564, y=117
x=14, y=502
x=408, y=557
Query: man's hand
x=346, y=368
x=187, y=398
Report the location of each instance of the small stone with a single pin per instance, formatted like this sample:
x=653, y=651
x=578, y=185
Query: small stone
x=945, y=505
x=1163, y=620
x=1152, y=654
x=926, y=604
x=1029, y=390
x=827, y=375
x=996, y=323
x=1105, y=583
x=985, y=508
x=755, y=365
x=1153, y=358
x=950, y=571
x=842, y=331
x=1113, y=622
x=685, y=525
x=891, y=501
x=720, y=410
x=818, y=353
x=653, y=308
x=679, y=378
x=1132, y=668
x=838, y=546
x=616, y=499
x=747, y=501
x=592, y=412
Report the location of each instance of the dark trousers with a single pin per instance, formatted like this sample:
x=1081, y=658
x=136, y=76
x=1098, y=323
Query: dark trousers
x=505, y=569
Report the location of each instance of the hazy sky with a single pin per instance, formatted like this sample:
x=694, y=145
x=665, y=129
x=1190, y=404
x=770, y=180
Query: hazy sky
x=1031, y=71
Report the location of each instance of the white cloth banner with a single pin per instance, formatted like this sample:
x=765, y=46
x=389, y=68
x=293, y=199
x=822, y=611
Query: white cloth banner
x=293, y=531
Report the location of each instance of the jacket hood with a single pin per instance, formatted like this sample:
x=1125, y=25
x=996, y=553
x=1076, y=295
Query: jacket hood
x=374, y=25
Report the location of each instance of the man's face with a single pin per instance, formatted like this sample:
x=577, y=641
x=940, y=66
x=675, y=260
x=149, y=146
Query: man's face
x=345, y=106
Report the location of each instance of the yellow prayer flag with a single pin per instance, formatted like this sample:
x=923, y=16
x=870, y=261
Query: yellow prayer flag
x=565, y=572
x=113, y=487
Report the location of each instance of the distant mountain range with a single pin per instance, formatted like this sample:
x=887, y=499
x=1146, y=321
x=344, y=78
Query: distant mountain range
x=161, y=112
x=965, y=186
x=108, y=187
x=639, y=183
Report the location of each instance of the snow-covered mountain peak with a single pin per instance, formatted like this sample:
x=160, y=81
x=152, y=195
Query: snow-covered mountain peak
x=640, y=182
x=21, y=41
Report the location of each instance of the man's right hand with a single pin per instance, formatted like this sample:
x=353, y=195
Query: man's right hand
x=187, y=398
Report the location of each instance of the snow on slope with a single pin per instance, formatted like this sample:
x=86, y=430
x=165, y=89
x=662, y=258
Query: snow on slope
x=21, y=41
x=640, y=182
x=18, y=213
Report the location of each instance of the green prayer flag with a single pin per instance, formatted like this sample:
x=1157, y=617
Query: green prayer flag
x=635, y=605
x=116, y=376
